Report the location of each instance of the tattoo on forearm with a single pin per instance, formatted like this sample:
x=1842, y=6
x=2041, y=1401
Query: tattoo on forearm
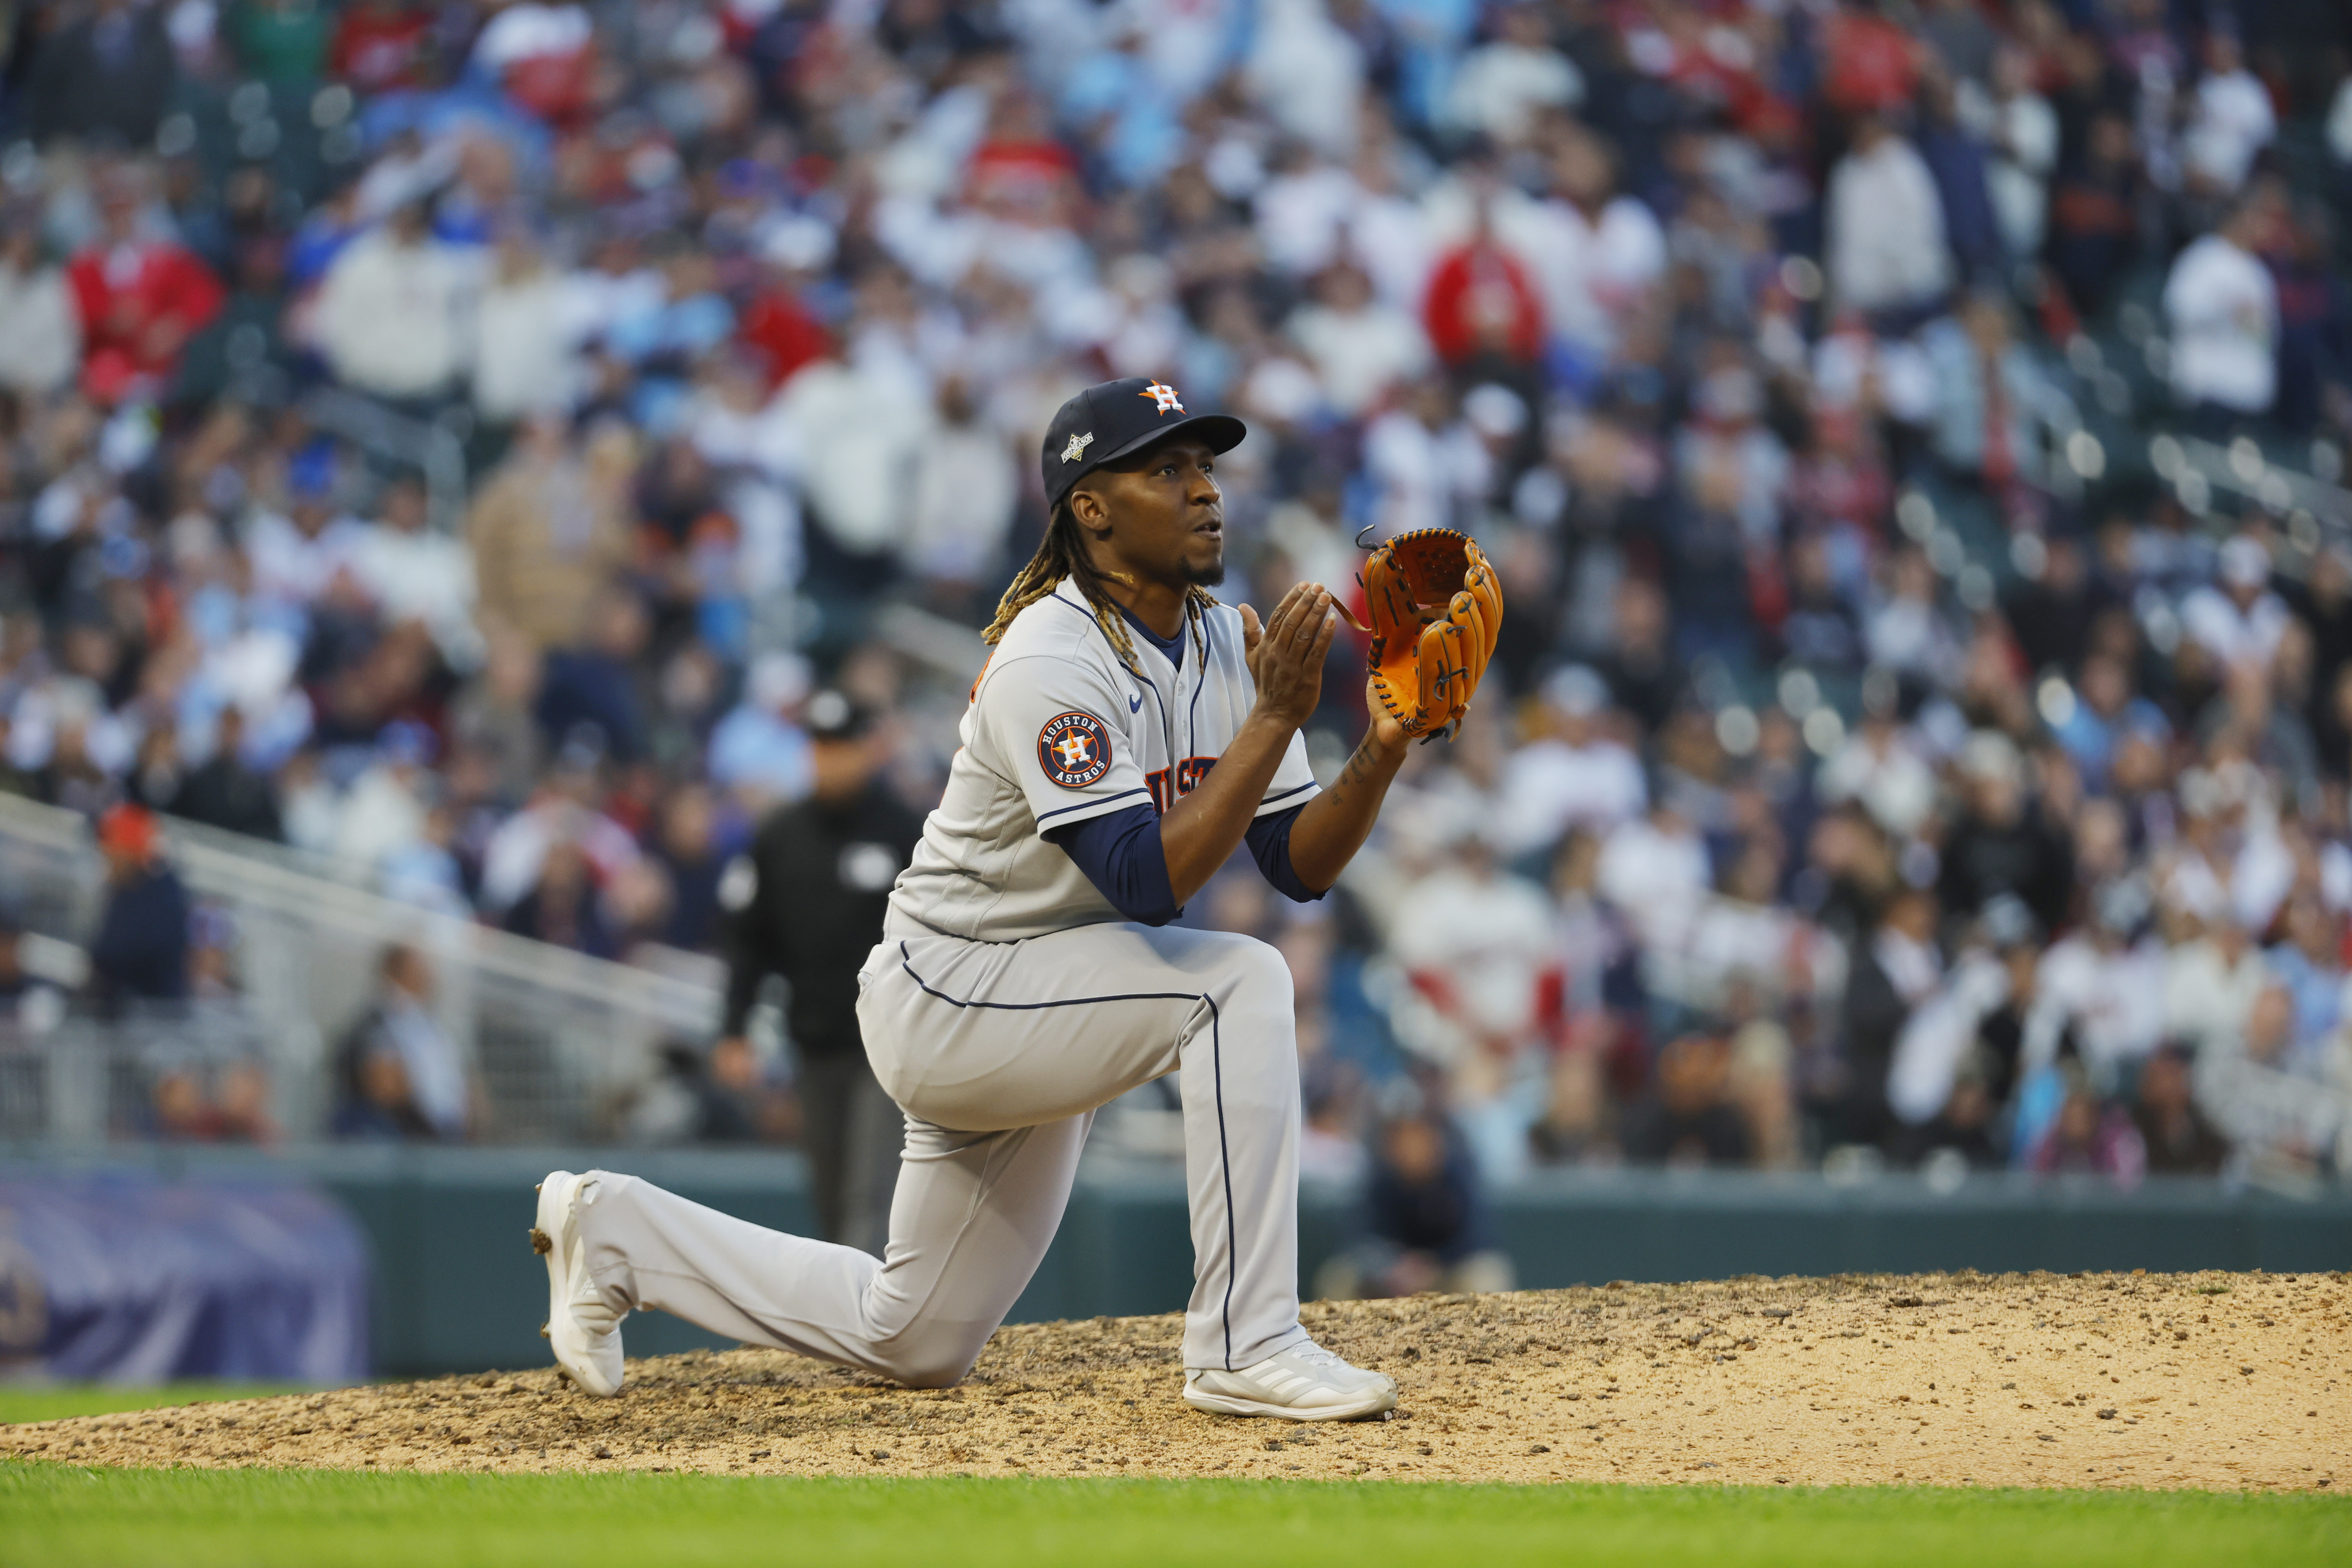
x=1357, y=771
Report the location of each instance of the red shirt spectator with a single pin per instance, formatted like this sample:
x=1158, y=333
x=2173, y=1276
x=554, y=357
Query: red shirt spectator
x=1019, y=171
x=381, y=45
x=1481, y=301
x=1870, y=65
x=779, y=328
x=141, y=301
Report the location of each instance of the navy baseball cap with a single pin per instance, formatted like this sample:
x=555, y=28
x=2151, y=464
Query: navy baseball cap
x=1117, y=419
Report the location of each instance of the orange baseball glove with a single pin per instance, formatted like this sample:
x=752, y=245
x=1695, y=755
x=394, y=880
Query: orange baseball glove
x=1435, y=609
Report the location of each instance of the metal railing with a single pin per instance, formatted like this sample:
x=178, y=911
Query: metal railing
x=2197, y=469
x=202, y=1070
x=434, y=450
x=555, y=1039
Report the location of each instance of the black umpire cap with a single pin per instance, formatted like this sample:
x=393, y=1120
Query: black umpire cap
x=835, y=715
x=1117, y=419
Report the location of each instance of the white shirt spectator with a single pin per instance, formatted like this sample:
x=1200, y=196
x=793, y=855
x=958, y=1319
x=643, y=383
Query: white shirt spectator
x=1388, y=237
x=528, y=331
x=1502, y=87
x=517, y=851
x=1654, y=869
x=2238, y=631
x=1886, y=224
x=1421, y=472
x=393, y=315
x=1936, y=1038
x=2229, y=121
x=2021, y=131
x=1307, y=73
x=1730, y=939
x=293, y=567
x=1549, y=786
x=531, y=31
x=1483, y=946
x=1880, y=767
x=966, y=487
x=2225, y=325
x=1359, y=354
x=1907, y=631
x=859, y=432
x=2114, y=1001
x=1599, y=270
x=1850, y=364
x=422, y=577
x=1185, y=41
x=2209, y=990
x=40, y=330
x=1490, y=937
x=383, y=814
x=1300, y=214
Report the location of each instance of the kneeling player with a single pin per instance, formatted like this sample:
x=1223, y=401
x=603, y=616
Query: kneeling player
x=1126, y=736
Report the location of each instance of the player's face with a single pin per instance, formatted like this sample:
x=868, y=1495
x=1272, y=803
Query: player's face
x=1166, y=516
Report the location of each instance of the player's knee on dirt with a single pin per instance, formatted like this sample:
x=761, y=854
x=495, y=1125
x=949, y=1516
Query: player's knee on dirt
x=936, y=1355
x=935, y=1371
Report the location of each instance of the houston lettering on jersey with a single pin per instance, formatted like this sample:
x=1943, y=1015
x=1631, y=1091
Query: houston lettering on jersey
x=1187, y=776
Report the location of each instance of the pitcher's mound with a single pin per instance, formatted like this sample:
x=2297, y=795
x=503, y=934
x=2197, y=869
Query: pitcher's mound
x=2223, y=1381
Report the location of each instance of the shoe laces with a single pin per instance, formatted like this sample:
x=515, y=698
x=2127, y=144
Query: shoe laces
x=1314, y=1355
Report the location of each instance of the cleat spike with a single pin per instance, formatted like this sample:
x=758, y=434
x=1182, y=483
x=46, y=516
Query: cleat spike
x=541, y=1242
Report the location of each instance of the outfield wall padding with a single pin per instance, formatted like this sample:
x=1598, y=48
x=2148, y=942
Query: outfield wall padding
x=458, y=1288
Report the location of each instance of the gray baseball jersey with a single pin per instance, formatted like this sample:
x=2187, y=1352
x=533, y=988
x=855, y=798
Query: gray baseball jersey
x=1008, y=1002
x=1058, y=730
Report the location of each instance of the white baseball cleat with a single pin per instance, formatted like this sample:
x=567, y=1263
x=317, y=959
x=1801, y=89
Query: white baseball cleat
x=584, y=1330
x=1305, y=1383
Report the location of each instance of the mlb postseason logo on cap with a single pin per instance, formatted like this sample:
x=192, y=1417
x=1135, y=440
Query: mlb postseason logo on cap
x=1074, y=749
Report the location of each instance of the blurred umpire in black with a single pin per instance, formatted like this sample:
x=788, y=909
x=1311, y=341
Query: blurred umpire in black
x=806, y=903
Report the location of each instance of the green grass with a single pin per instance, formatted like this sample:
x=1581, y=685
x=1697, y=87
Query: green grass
x=51, y=1402
x=59, y=1517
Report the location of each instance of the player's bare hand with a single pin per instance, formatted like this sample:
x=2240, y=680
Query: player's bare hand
x=1285, y=656
x=1386, y=732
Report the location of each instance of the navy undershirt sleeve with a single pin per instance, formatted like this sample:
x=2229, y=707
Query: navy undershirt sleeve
x=1269, y=842
x=1120, y=854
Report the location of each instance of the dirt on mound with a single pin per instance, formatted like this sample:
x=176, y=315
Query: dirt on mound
x=2221, y=1381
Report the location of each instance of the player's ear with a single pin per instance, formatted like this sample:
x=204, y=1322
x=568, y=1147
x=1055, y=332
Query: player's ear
x=1086, y=507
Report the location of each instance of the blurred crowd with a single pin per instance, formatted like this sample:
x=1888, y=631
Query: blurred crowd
x=458, y=440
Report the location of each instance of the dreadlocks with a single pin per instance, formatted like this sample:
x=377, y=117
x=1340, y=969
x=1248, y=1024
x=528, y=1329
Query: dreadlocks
x=1063, y=553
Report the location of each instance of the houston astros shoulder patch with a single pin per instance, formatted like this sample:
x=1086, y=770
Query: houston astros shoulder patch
x=1074, y=749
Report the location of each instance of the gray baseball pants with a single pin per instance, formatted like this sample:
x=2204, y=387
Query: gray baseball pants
x=1000, y=1053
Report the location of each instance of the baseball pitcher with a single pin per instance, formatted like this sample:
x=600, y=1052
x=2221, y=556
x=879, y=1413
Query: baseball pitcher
x=1127, y=733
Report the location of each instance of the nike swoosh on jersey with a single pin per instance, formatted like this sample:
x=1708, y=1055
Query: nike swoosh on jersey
x=1135, y=703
